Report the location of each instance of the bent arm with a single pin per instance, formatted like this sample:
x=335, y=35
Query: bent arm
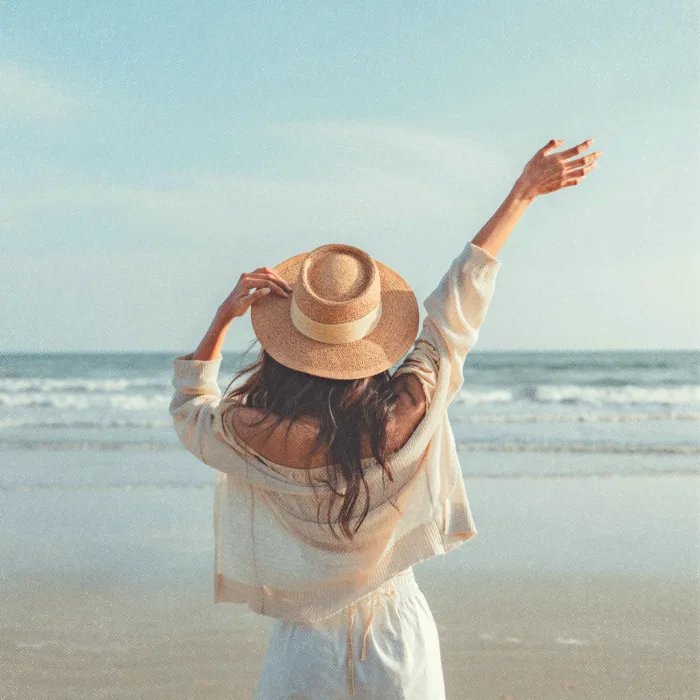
x=210, y=346
x=196, y=395
x=196, y=399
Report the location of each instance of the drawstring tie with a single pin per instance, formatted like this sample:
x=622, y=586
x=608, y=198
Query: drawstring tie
x=363, y=651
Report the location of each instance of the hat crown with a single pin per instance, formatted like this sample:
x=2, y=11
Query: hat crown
x=337, y=283
x=337, y=276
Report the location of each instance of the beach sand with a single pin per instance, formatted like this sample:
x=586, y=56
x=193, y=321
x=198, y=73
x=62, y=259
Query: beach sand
x=573, y=588
x=542, y=638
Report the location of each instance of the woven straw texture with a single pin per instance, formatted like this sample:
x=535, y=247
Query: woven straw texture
x=383, y=347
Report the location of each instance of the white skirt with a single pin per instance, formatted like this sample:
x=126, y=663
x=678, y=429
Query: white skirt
x=383, y=646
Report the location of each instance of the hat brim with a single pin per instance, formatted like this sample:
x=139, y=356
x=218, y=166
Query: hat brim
x=378, y=351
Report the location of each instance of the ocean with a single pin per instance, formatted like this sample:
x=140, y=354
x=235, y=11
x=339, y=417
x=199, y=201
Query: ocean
x=609, y=402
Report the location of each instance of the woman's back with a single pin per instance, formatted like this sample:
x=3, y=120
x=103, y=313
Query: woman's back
x=290, y=445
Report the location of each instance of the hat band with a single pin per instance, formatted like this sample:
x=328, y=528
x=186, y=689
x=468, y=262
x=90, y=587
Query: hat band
x=335, y=333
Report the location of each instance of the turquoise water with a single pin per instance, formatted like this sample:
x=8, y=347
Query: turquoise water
x=558, y=402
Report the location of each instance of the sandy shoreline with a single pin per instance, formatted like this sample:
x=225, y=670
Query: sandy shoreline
x=545, y=637
x=573, y=588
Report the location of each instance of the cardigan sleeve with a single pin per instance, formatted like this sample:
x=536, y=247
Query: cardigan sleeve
x=456, y=310
x=194, y=408
x=196, y=395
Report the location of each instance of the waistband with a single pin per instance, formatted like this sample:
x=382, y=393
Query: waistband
x=404, y=584
x=400, y=585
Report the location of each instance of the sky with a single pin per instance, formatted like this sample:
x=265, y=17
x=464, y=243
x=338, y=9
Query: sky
x=152, y=152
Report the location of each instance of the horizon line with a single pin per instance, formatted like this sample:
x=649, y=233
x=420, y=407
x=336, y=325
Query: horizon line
x=241, y=351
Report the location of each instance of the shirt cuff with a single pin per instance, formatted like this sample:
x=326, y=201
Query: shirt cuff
x=487, y=257
x=196, y=372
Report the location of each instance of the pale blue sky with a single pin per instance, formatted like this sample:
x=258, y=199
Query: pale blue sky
x=151, y=152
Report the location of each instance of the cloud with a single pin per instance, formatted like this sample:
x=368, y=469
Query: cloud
x=216, y=204
x=455, y=154
x=29, y=92
x=344, y=177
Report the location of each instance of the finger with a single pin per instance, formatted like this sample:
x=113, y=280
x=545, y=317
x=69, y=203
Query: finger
x=264, y=281
x=278, y=277
x=583, y=160
x=250, y=299
x=273, y=275
x=550, y=146
x=577, y=172
x=574, y=181
x=575, y=150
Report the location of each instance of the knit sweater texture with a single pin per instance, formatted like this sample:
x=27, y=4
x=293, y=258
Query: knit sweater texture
x=274, y=549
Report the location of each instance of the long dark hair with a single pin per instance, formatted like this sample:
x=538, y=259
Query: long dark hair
x=346, y=410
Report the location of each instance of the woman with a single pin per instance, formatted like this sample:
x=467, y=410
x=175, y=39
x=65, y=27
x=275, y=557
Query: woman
x=333, y=476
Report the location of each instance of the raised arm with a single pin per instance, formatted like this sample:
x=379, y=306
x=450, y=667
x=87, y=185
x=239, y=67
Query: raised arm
x=457, y=306
x=545, y=172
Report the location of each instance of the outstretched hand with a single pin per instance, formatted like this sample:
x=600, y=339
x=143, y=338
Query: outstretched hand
x=548, y=172
x=262, y=280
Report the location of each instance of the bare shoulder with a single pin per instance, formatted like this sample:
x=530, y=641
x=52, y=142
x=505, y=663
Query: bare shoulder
x=276, y=440
x=247, y=421
x=291, y=445
x=409, y=412
x=410, y=390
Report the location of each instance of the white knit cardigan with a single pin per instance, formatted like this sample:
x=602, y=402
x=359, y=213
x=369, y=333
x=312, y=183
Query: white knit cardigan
x=271, y=551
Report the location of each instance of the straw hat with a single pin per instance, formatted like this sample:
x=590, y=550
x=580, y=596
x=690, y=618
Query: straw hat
x=349, y=316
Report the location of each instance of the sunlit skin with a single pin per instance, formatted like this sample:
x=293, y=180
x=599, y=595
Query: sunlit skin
x=263, y=280
x=544, y=173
